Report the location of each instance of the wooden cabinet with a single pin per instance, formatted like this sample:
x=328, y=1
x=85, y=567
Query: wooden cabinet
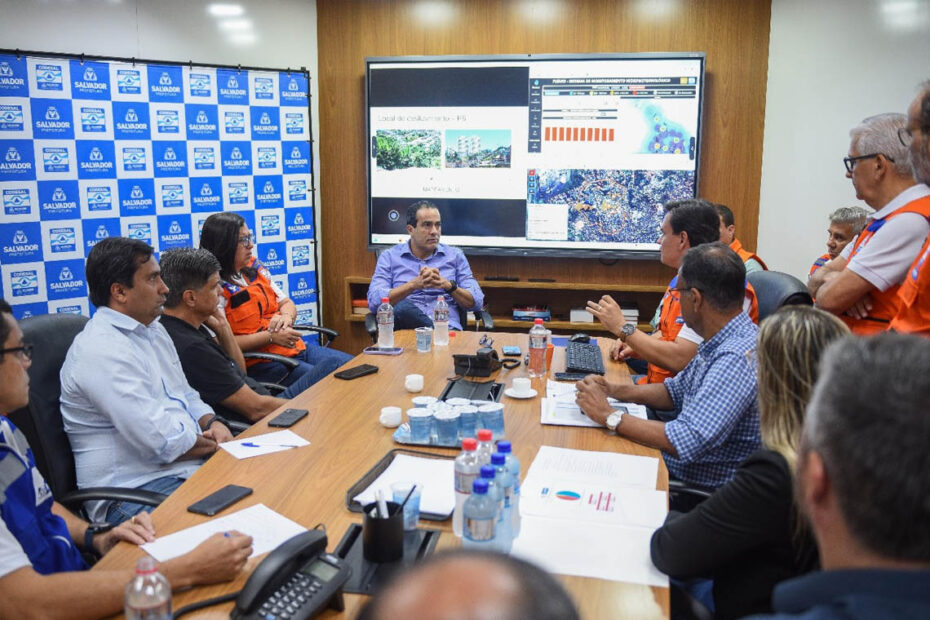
x=500, y=297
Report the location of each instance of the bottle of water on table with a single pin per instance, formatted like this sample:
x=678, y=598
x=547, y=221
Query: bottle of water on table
x=513, y=464
x=385, y=324
x=505, y=479
x=441, y=322
x=466, y=471
x=538, y=340
x=497, y=493
x=148, y=595
x=480, y=512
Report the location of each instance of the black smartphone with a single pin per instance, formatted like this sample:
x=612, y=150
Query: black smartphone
x=356, y=371
x=288, y=417
x=215, y=502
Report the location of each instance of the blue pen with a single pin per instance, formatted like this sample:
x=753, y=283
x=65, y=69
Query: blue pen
x=249, y=444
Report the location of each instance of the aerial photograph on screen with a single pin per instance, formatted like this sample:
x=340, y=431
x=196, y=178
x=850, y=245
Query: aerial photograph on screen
x=478, y=148
x=624, y=206
x=408, y=148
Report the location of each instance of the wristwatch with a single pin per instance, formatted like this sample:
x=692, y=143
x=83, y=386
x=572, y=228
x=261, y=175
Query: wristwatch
x=626, y=331
x=452, y=286
x=613, y=420
x=92, y=530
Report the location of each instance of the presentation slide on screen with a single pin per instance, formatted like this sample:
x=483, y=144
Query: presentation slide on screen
x=551, y=153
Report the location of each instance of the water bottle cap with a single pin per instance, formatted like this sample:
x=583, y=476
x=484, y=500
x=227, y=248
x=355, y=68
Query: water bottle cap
x=498, y=459
x=470, y=444
x=538, y=322
x=441, y=298
x=504, y=447
x=146, y=566
x=480, y=486
x=385, y=300
x=484, y=435
x=487, y=471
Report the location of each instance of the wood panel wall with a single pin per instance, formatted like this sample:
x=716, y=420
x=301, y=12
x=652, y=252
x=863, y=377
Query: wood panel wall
x=733, y=33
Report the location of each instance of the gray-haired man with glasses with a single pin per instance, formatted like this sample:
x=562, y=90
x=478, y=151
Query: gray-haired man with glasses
x=861, y=284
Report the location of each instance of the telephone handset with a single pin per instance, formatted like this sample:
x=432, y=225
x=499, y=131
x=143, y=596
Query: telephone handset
x=297, y=580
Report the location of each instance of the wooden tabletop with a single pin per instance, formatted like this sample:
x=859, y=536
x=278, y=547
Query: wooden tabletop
x=308, y=485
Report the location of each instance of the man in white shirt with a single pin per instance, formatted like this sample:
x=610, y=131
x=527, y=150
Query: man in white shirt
x=131, y=417
x=861, y=284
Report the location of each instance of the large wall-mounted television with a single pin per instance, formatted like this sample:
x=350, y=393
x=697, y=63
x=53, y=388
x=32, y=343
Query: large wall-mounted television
x=546, y=155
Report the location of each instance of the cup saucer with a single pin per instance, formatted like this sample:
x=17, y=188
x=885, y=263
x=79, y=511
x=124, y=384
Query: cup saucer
x=531, y=393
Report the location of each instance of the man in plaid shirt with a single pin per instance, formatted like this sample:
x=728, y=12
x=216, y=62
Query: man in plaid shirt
x=714, y=397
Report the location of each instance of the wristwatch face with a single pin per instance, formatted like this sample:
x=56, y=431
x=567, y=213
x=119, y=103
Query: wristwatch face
x=613, y=420
x=627, y=330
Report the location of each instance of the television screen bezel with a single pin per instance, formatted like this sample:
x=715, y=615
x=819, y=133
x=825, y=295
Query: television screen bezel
x=489, y=250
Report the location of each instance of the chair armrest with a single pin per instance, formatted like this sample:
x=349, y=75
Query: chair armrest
x=136, y=496
x=273, y=357
x=683, y=497
x=371, y=326
x=234, y=426
x=274, y=388
x=485, y=319
x=331, y=334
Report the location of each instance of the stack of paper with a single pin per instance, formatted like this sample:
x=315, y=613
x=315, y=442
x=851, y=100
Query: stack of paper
x=559, y=408
x=591, y=514
x=434, y=477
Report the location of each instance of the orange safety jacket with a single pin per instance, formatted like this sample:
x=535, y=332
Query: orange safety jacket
x=250, y=308
x=914, y=314
x=737, y=247
x=885, y=304
x=820, y=262
x=671, y=322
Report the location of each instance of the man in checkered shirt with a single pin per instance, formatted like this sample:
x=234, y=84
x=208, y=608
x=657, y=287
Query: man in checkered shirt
x=714, y=397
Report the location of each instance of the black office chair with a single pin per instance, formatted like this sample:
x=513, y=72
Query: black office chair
x=775, y=289
x=51, y=336
x=483, y=322
x=327, y=336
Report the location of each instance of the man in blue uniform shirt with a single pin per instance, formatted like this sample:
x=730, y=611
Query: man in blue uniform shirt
x=414, y=273
x=40, y=565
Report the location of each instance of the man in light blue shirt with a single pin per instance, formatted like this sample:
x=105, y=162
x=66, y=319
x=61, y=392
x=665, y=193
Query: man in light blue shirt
x=414, y=273
x=132, y=419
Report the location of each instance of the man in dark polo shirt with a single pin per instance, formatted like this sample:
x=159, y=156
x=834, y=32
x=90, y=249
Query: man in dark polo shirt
x=210, y=357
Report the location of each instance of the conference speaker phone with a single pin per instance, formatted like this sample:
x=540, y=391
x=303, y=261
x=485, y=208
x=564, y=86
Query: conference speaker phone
x=297, y=580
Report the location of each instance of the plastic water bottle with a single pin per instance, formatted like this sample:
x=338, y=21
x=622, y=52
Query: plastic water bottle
x=480, y=524
x=494, y=490
x=385, y=324
x=466, y=471
x=485, y=446
x=441, y=322
x=505, y=479
x=538, y=337
x=513, y=464
x=148, y=595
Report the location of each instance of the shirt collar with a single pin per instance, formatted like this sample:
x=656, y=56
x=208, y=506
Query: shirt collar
x=122, y=322
x=912, y=193
x=820, y=588
x=709, y=346
x=439, y=251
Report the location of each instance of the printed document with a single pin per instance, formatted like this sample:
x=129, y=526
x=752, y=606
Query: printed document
x=268, y=443
x=559, y=408
x=435, y=477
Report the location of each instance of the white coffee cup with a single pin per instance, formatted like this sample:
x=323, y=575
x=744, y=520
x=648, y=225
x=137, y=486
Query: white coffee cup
x=520, y=385
x=390, y=417
x=413, y=383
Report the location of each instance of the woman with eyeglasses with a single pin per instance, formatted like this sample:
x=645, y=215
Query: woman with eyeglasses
x=260, y=314
x=749, y=535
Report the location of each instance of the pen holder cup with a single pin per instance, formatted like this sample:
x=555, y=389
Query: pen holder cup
x=383, y=539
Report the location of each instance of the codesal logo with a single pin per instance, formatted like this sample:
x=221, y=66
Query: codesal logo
x=16, y=201
x=300, y=255
x=24, y=283
x=133, y=158
x=206, y=195
x=200, y=84
x=204, y=158
x=293, y=122
x=55, y=159
x=11, y=118
x=264, y=88
x=93, y=120
x=172, y=195
x=71, y=309
x=297, y=189
x=141, y=231
x=167, y=121
x=49, y=77
x=129, y=81
x=234, y=122
x=267, y=157
x=62, y=239
x=99, y=198
x=271, y=225
x=238, y=193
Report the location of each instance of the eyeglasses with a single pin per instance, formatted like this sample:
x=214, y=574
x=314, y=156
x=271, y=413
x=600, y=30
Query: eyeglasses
x=685, y=289
x=851, y=161
x=905, y=135
x=25, y=351
x=246, y=240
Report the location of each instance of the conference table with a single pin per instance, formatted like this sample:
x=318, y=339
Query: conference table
x=308, y=485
